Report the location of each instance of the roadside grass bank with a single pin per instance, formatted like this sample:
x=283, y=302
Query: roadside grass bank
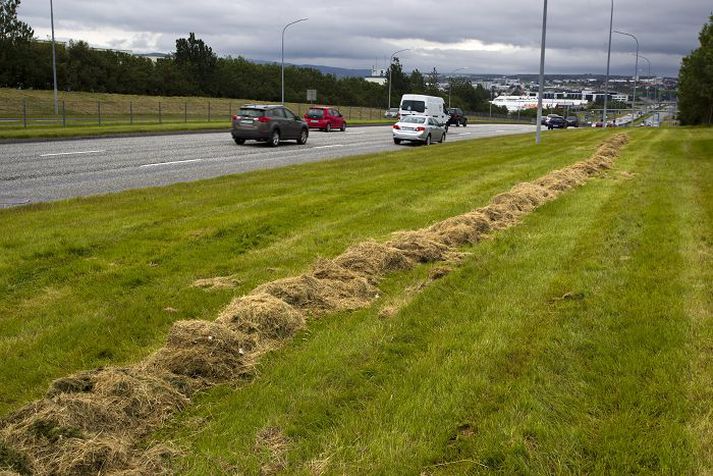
x=31, y=113
x=94, y=281
x=577, y=342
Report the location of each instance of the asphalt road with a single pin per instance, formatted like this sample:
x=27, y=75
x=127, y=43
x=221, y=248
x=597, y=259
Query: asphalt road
x=46, y=171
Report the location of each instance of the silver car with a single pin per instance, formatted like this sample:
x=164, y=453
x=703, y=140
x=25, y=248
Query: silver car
x=418, y=128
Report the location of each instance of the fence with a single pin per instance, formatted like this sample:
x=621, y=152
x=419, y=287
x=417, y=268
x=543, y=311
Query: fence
x=25, y=113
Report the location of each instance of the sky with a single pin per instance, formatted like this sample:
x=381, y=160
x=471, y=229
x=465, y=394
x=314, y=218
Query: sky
x=487, y=36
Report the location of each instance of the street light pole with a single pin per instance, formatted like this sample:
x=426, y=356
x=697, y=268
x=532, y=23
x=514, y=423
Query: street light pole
x=391, y=62
x=649, y=63
x=449, y=83
x=606, y=82
x=636, y=69
x=542, y=76
x=283, y=55
x=54, y=61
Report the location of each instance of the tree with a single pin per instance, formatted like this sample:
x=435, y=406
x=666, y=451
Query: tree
x=15, y=38
x=695, y=81
x=399, y=80
x=196, y=60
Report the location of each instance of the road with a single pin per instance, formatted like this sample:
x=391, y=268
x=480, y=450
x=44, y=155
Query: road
x=47, y=171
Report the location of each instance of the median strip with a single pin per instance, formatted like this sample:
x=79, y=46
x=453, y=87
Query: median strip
x=94, y=421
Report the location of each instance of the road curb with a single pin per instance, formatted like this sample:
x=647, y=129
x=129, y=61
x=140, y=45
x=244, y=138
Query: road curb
x=138, y=134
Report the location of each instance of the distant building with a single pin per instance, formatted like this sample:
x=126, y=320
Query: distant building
x=378, y=76
x=153, y=56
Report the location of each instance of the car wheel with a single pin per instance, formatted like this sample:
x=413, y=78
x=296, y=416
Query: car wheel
x=329, y=127
x=443, y=138
x=302, y=139
x=428, y=140
x=239, y=141
x=274, y=138
x=344, y=126
x=465, y=123
x=397, y=141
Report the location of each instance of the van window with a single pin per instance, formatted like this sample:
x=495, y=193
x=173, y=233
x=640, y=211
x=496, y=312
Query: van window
x=415, y=106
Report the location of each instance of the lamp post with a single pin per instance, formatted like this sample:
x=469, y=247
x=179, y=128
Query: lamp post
x=449, y=83
x=649, y=63
x=636, y=68
x=606, y=81
x=542, y=76
x=283, y=54
x=54, y=60
x=391, y=62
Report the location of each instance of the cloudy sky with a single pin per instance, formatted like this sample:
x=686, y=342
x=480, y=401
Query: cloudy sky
x=486, y=36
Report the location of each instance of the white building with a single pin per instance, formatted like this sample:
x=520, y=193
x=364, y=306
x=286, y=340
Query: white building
x=378, y=76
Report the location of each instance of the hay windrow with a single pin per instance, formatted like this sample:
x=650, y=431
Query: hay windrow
x=263, y=316
x=218, y=282
x=93, y=422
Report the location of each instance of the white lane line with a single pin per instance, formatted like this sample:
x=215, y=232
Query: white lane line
x=465, y=133
x=327, y=146
x=172, y=162
x=74, y=153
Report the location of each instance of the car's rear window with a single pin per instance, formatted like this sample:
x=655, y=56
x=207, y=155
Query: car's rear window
x=315, y=113
x=414, y=119
x=414, y=106
x=250, y=112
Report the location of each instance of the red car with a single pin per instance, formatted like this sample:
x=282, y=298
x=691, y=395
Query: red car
x=325, y=118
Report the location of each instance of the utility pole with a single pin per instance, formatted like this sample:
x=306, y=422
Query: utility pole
x=606, y=82
x=542, y=76
x=283, y=55
x=54, y=61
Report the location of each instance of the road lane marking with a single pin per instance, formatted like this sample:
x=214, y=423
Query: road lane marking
x=328, y=146
x=170, y=163
x=74, y=153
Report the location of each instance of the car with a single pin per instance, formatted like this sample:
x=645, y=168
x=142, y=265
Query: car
x=418, y=128
x=325, y=118
x=557, y=123
x=546, y=119
x=457, y=117
x=572, y=121
x=268, y=123
x=392, y=112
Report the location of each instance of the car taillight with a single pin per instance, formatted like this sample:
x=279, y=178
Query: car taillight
x=235, y=117
x=420, y=129
x=396, y=126
x=263, y=119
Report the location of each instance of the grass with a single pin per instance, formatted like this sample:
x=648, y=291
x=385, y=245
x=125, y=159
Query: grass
x=490, y=368
x=129, y=113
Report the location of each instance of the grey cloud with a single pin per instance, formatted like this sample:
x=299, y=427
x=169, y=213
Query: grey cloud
x=355, y=34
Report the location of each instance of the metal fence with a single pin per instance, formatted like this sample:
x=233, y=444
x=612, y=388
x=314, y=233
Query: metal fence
x=25, y=113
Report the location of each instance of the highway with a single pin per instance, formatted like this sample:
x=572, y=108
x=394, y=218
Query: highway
x=53, y=170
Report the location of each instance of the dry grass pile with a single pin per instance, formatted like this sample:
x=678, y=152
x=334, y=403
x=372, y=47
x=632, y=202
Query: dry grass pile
x=218, y=282
x=92, y=422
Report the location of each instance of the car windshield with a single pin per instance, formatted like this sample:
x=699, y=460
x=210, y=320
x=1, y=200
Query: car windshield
x=415, y=106
x=414, y=119
x=315, y=113
x=250, y=112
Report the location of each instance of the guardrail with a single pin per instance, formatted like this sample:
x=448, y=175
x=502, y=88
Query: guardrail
x=25, y=113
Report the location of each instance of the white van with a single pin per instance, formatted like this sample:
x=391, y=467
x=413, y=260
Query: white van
x=424, y=105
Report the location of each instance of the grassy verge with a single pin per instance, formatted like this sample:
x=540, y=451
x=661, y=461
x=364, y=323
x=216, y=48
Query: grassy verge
x=93, y=281
x=576, y=342
x=599, y=364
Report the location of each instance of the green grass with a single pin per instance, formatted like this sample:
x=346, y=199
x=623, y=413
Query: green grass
x=486, y=369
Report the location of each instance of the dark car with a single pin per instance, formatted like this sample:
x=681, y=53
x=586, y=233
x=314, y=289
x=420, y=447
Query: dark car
x=557, y=123
x=268, y=123
x=457, y=117
x=572, y=121
x=325, y=118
